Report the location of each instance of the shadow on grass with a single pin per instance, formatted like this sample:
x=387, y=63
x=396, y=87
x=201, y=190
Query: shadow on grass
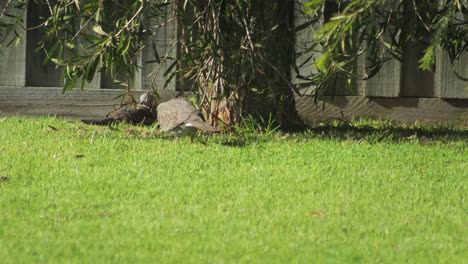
x=372, y=131
x=376, y=131
x=362, y=131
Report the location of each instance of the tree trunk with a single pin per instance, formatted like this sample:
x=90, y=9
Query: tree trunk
x=240, y=55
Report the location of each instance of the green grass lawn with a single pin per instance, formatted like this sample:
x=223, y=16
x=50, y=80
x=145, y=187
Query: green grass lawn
x=339, y=193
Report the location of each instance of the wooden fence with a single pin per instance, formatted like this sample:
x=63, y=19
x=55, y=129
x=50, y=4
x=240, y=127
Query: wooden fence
x=400, y=91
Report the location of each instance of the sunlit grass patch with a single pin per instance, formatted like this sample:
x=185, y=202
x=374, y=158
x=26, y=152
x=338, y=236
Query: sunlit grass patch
x=336, y=193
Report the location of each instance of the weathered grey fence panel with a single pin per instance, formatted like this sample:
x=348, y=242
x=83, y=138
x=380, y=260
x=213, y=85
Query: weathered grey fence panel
x=137, y=81
x=414, y=81
x=13, y=60
x=305, y=58
x=72, y=104
x=305, y=61
x=342, y=85
x=386, y=83
x=448, y=84
x=13, y=65
x=38, y=73
x=164, y=41
x=435, y=110
x=108, y=82
x=40, y=100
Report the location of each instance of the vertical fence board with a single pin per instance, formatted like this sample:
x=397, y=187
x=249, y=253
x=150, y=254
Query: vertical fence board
x=415, y=82
x=305, y=59
x=136, y=81
x=303, y=39
x=122, y=80
x=38, y=73
x=164, y=40
x=448, y=85
x=342, y=85
x=94, y=84
x=386, y=83
x=13, y=65
x=13, y=59
x=96, y=81
x=107, y=82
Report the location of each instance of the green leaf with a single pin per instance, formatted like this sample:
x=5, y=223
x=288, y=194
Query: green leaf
x=428, y=60
x=312, y=5
x=323, y=62
x=98, y=29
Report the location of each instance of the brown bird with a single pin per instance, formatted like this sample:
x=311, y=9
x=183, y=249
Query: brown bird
x=141, y=113
x=181, y=118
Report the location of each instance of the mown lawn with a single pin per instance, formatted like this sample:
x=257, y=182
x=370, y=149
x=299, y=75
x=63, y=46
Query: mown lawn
x=339, y=193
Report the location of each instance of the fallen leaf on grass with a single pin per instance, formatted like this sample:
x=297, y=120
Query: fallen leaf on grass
x=318, y=214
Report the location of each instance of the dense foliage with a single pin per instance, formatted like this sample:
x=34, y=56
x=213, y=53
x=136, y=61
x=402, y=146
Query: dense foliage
x=380, y=30
x=238, y=55
x=11, y=22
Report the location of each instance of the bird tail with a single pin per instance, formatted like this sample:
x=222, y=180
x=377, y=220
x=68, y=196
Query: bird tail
x=204, y=126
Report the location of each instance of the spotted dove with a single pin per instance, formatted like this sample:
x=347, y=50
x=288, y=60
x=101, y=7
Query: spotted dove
x=141, y=113
x=181, y=118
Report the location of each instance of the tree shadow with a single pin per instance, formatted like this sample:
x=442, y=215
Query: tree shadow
x=388, y=131
x=371, y=131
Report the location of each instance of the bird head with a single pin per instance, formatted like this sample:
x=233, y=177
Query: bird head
x=148, y=99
